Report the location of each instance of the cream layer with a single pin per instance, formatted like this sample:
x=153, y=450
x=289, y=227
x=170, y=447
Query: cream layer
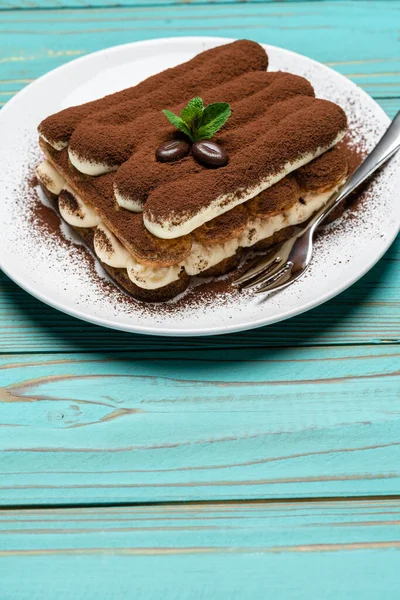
x=170, y=228
x=50, y=177
x=111, y=252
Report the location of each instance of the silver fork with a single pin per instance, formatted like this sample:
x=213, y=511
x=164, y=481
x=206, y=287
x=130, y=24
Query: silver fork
x=289, y=260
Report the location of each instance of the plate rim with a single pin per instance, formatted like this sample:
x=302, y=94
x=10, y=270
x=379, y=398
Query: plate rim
x=203, y=331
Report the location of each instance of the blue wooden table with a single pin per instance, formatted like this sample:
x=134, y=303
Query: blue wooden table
x=258, y=465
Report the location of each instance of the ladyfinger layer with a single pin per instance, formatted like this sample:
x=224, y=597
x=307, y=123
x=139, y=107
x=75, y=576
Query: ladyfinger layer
x=157, y=263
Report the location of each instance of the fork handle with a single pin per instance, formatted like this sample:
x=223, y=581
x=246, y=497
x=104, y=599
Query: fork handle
x=385, y=148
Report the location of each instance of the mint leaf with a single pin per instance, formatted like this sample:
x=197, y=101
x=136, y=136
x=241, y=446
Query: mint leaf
x=178, y=123
x=197, y=122
x=214, y=116
x=192, y=114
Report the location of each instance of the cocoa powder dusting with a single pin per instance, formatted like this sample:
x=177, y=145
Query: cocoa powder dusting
x=33, y=181
x=70, y=203
x=297, y=134
x=282, y=95
x=275, y=199
x=248, y=93
x=275, y=119
x=45, y=223
x=256, y=93
x=103, y=241
x=324, y=172
x=224, y=63
x=222, y=228
x=45, y=219
x=148, y=249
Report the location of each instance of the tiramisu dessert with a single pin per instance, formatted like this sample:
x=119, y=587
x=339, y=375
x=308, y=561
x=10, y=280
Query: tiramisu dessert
x=179, y=175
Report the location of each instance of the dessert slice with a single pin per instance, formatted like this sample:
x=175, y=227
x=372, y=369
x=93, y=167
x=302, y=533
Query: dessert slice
x=155, y=269
x=154, y=224
x=251, y=96
x=99, y=133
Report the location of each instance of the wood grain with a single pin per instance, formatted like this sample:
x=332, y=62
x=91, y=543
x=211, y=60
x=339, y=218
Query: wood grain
x=324, y=550
x=308, y=408
x=68, y=4
x=210, y=425
x=33, y=42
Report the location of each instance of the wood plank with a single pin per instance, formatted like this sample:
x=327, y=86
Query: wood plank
x=390, y=105
x=324, y=550
x=368, y=312
x=46, y=4
x=209, y=425
x=33, y=42
x=68, y=4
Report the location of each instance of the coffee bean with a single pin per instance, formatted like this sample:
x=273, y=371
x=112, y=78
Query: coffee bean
x=172, y=150
x=209, y=154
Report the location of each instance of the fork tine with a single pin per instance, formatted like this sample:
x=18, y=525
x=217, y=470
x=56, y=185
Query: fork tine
x=265, y=264
x=274, y=268
x=275, y=282
x=265, y=276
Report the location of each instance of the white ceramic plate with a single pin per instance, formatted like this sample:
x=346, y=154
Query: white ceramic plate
x=61, y=272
